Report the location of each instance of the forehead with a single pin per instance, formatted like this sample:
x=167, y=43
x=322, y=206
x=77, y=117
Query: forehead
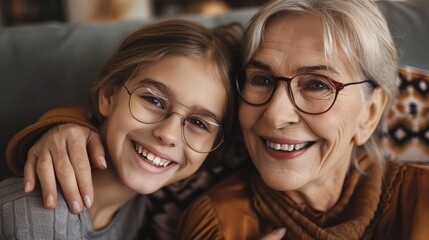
x=300, y=31
x=193, y=81
x=294, y=41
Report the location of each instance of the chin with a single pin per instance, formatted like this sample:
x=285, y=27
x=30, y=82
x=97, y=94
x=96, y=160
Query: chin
x=283, y=181
x=139, y=184
x=145, y=189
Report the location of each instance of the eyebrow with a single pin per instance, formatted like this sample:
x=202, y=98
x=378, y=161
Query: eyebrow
x=155, y=84
x=166, y=90
x=303, y=69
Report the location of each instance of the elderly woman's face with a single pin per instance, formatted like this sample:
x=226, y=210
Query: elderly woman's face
x=292, y=149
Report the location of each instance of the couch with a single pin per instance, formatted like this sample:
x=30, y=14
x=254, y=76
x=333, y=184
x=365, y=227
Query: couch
x=51, y=65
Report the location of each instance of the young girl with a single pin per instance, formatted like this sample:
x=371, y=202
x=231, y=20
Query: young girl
x=163, y=103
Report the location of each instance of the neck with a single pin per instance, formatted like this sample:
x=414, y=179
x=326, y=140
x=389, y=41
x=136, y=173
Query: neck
x=110, y=194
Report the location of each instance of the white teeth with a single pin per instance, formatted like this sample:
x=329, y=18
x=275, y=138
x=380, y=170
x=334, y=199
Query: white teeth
x=276, y=146
x=285, y=147
x=151, y=158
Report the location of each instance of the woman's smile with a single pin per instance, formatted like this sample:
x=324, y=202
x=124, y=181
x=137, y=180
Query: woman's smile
x=287, y=147
x=285, y=151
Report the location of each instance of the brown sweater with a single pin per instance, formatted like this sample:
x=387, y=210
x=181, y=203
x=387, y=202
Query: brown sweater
x=243, y=207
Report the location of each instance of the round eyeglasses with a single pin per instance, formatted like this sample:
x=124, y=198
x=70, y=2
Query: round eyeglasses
x=201, y=132
x=309, y=92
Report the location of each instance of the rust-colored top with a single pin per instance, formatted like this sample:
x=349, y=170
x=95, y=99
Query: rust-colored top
x=395, y=206
x=16, y=151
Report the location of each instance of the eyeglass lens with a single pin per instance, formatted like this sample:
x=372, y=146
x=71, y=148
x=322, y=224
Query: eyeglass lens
x=310, y=93
x=201, y=132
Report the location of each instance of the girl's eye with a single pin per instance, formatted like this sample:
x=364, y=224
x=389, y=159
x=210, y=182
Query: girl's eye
x=198, y=122
x=153, y=100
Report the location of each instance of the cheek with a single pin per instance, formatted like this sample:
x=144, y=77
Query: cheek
x=248, y=116
x=336, y=127
x=118, y=126
x=196, y=164
x=193, y=163
x=347, y=114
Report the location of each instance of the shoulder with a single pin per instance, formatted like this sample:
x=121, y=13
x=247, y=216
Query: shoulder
x=233, y=188
x=406, y=176
x=23, y=214
x=405, y=200
x=219, y=212
x=414, y=167
x=407, y=183
x=12, y=189
x=402, y=169
x=231, y=191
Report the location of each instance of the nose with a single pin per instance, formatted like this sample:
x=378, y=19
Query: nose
x=280, y=110
x=169, y=131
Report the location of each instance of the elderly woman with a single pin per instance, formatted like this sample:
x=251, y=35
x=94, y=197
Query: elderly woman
x=317, y=79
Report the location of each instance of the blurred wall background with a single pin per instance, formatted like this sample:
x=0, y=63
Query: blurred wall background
x=26, y=12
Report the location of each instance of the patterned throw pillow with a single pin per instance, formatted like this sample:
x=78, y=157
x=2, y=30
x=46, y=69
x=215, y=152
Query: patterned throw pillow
x=406, y=126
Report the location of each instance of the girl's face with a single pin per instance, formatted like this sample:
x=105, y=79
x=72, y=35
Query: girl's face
x=147, y=156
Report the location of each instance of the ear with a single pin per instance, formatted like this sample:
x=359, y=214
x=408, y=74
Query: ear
x=371, y=116
x=105, y=101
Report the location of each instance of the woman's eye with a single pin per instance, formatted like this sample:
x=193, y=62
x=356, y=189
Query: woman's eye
x=313, y=83
x=316, y=85
x=261, y=80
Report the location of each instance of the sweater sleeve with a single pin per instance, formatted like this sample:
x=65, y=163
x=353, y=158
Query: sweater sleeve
x=22, y=215
x=16, y=151
x=200, y=221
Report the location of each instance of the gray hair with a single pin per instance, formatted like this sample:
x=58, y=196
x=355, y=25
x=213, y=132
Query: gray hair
x=357, y=28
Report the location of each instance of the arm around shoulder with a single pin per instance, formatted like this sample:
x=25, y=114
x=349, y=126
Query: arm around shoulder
x=16, y=152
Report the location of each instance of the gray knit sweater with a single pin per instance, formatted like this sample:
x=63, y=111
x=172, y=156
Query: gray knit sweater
x=22, y=216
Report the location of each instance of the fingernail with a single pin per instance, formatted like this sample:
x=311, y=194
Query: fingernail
x=87, y=201
x=27, y=187
x=75, y=207
x=49, y=201
x=103, y=162
x=280, y=231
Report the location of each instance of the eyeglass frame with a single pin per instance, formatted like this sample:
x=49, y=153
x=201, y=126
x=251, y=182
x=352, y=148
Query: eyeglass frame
x=338, y=87
x=183, y=118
